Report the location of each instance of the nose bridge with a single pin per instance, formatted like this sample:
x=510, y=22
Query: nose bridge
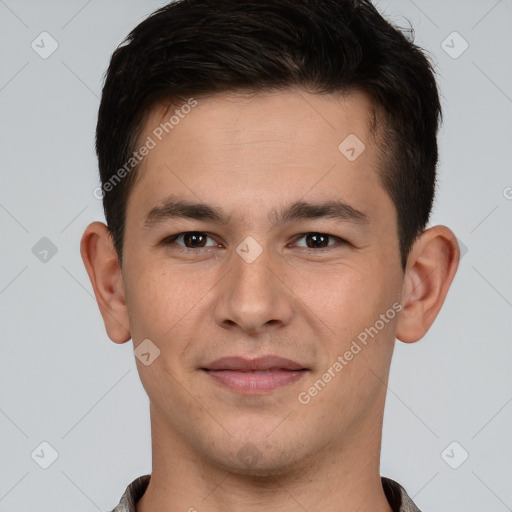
x=253, y=296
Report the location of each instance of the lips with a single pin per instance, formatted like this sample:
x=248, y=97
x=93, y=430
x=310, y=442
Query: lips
x=260, y=364
x=254, y=376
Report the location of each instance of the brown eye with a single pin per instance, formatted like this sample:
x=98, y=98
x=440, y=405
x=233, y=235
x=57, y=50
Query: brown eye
x=191, y=240
x=319, y=240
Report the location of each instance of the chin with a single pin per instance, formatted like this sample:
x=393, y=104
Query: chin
x=259, y=459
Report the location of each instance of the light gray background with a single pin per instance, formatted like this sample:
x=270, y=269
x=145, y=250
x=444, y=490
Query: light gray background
x=64, y=382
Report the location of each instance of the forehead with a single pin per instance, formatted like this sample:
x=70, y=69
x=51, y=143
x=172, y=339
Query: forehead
x=290, y=116
x=261, y=147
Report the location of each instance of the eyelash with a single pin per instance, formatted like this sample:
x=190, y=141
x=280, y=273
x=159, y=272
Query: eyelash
x=171, y=239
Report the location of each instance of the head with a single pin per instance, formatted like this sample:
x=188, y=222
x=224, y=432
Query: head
x=295, y=143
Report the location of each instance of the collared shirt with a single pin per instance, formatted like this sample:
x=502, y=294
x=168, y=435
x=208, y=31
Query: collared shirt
x=398, y=499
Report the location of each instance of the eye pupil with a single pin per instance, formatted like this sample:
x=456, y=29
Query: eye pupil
x=193, y=238
x=317, y=239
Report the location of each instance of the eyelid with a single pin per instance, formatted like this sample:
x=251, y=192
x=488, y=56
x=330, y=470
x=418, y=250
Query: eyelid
x=172, y=239
x=341, y=241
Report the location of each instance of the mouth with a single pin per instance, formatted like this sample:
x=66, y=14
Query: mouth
x=254, y=376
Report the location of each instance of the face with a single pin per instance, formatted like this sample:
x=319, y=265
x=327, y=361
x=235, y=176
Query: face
x=295, y=255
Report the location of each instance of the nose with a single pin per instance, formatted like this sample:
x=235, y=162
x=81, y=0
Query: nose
x=254, y=296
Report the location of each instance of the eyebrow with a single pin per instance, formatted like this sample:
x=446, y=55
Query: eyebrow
x=174, y=208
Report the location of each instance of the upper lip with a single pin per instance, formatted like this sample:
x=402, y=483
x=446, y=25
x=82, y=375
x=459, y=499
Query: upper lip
x=260, y=363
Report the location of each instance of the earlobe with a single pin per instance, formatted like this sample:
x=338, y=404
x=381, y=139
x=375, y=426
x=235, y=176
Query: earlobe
x=431, y=267
x=102, y=265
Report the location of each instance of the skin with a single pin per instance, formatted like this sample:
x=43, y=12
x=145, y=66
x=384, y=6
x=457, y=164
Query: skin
x=249, y=155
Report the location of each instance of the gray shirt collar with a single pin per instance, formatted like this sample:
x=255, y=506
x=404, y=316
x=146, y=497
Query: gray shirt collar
x=395, y=493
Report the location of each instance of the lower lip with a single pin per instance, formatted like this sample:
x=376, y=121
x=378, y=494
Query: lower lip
x=250, y=382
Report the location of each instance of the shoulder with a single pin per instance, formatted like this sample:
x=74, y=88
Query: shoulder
x=397, y=496
x=132, y=494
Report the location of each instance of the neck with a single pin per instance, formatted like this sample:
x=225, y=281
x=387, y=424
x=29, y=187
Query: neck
x=342, y=478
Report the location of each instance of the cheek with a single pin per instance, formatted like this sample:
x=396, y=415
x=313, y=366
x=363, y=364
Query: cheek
x=343, y=296
x=158, y=301
x=350, y=303
x=359, y=343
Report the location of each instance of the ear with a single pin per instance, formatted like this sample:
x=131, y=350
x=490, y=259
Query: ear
x=102, y=264
x=431, y=267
